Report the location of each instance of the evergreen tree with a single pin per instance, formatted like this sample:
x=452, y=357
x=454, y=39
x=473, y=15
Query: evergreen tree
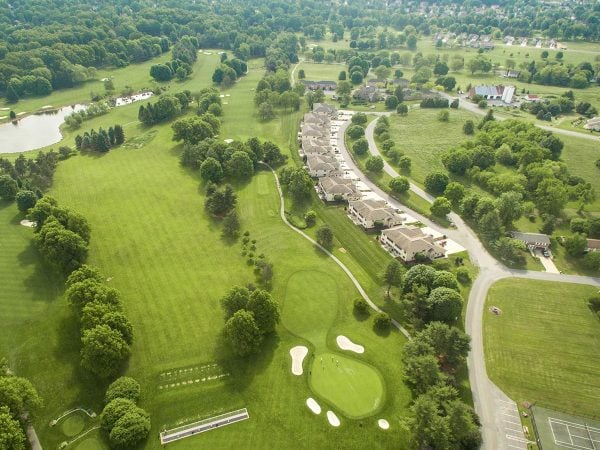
x=119, y=135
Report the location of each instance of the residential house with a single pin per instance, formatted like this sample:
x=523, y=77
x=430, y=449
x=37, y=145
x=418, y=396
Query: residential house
x=512, y=73
x=326, y=85
x=335, y=189
x=533, y=241
x=593, y=245
x=367, y=93
x=504, y=93
x=406, y=242
x=324, y=108
x=402, y=82
x=373, y=214
x=321, y=165
x=593, y=124
x=532, y=98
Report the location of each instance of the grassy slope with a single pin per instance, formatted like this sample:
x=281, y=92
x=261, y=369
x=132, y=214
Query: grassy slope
x=422, y=137
x=541, y=348
x=153, y=238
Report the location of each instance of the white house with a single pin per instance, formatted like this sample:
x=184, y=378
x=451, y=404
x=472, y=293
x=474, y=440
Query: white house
x=373, y=213
x=593, y=124
x=333, y=189
x=406, y=242
x=507, y=94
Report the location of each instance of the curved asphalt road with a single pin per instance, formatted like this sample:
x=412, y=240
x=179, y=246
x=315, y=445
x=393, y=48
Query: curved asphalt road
x=496, y=411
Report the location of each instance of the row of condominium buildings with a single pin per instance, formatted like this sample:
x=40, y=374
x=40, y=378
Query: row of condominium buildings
x=401, y=234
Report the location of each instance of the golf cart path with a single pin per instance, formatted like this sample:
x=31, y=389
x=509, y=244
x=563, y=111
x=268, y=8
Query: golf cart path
x=356, y=283
x=491, y=404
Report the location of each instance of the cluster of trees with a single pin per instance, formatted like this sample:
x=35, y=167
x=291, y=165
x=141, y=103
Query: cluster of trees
x=96, y=109
x=296, y=182
x=564, y=104
x=431, y=300
x=171, y=69
x=434, y=102
x=19, y=402
x=250, y=316
x=388, y=147
x=166, y=107
x=208, y=100
x=576, y=245
x=275, y=90
x=64, y=46
x=126, y=424
x=106, y=333
x=538, y=180
x=237, y=160
x=62, y=236
x=193, y=130
x=229, y=70
x=220, y=202
x=441, y=419
x=556, y=73
x=358, y=67
x=102, y=140
x=263, y=269
x=430, y=295
x=28, y=174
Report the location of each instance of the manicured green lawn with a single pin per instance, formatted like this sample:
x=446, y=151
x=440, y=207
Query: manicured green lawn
x=354, y=387
x=321, y=71
x=542, y=347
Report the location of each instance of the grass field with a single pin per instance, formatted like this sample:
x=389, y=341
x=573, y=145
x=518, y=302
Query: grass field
x=423, y=138
x=541, y=348
x=152, y=236
x=321, y=71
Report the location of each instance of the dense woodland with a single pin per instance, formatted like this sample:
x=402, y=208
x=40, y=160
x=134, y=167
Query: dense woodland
x=51, y=45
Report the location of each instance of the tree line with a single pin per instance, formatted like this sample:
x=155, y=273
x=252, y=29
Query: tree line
x=33, y=174
x=101, y=140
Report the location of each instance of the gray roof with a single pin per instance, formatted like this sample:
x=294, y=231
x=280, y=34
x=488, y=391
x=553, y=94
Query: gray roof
x=336, y=185
x=532, y=238
x=412, y=240
x=373, y=209
x=488, y=90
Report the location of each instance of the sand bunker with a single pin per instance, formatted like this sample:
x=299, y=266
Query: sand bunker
x=298, y=353
x=27, y=223
x=383, y=424
x=313, y=405
x=346, y=344
x=333, y=419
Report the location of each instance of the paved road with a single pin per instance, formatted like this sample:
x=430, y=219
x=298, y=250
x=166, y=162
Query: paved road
x=472, y=107
x=497, y=412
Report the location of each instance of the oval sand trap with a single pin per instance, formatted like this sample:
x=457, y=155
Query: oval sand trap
x=383, y=424
x=346, y=344
x=27, y=223
x=313, y=405
x=298, y=353
x=333, y=419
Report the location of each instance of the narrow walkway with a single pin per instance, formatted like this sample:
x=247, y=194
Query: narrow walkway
x=360, y=289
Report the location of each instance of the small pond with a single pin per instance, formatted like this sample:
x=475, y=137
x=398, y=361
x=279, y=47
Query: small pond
x=34, y=131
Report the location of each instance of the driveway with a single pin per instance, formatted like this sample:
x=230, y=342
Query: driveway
x=546, y=262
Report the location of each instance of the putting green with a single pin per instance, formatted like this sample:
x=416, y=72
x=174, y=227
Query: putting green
x=350, y=385
x=311, y=305
x=73, y=425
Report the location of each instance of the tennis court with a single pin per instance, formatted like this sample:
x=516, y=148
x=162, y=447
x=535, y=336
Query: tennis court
x=559, y=431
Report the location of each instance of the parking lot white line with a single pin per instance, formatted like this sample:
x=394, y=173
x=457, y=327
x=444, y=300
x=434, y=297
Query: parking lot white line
x=510, y=421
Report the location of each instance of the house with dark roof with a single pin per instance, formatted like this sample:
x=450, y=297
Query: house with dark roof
x=367, y=93
x=373, y=214
x=326, y=85
x=533, y=240
x=406, y=242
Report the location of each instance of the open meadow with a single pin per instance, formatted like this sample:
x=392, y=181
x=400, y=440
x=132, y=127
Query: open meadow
x=540, y=348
